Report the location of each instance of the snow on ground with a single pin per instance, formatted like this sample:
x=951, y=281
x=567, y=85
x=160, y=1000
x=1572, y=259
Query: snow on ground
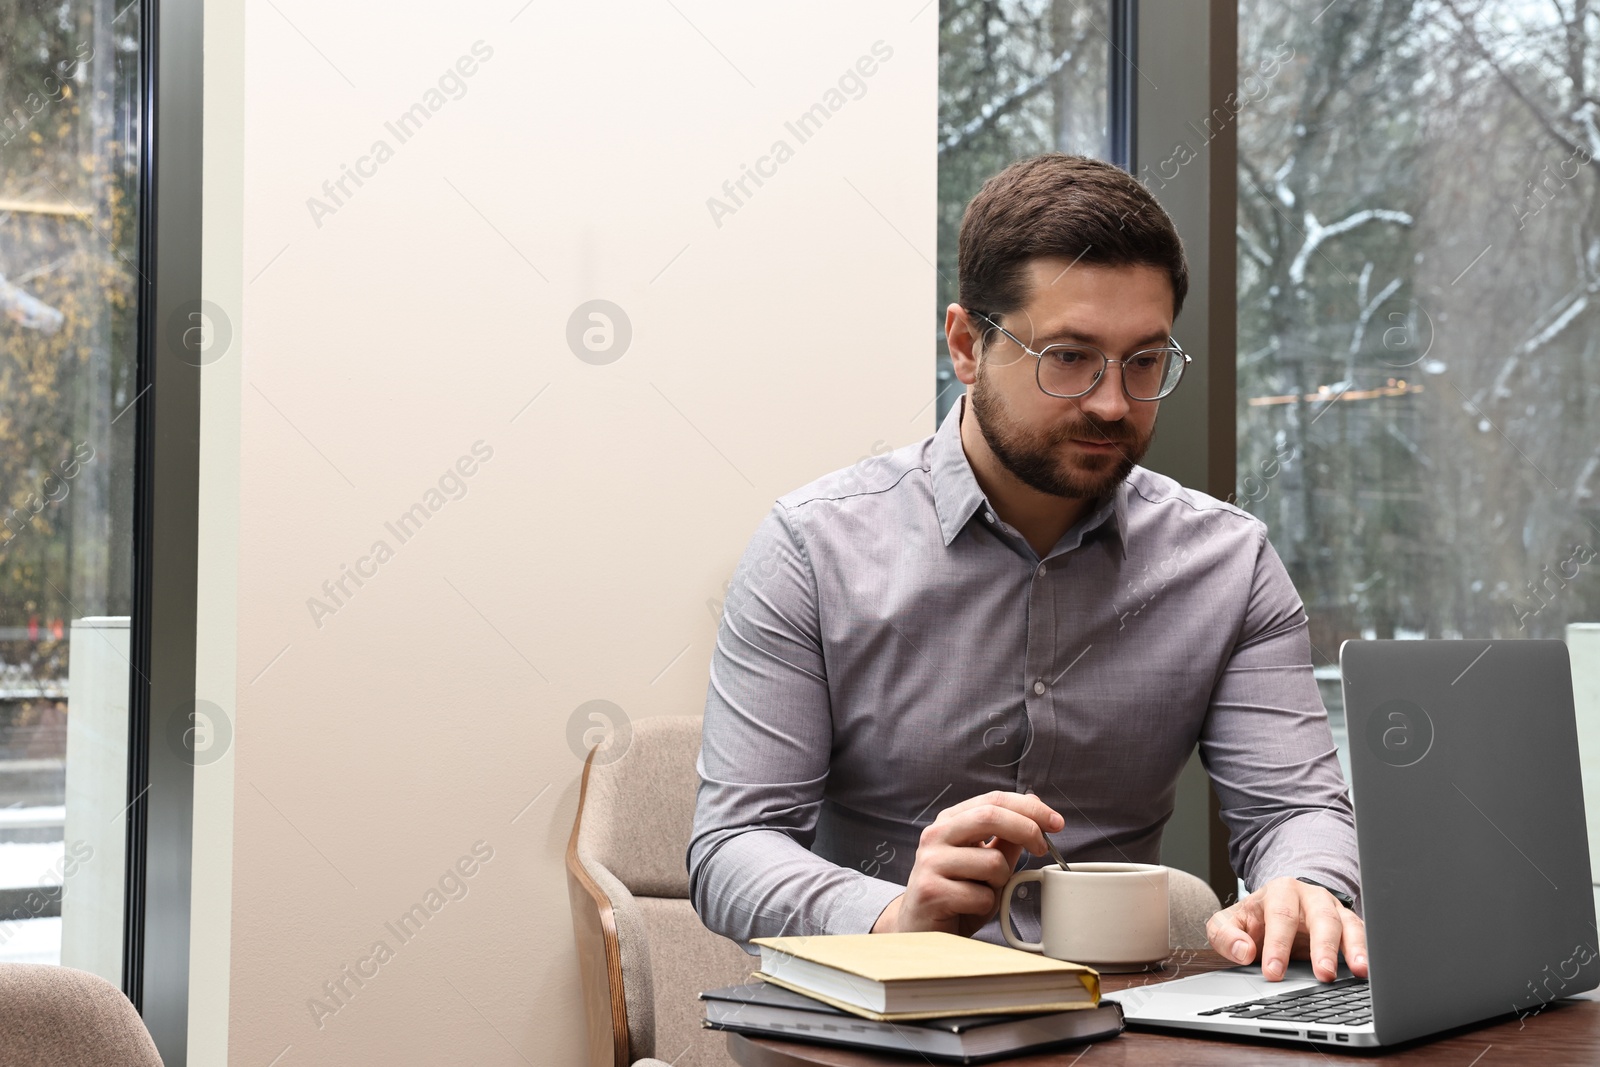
x=29, y=863
x=30, y=941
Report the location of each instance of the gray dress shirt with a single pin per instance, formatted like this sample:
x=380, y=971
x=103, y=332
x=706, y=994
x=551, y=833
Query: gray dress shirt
x=889, y=647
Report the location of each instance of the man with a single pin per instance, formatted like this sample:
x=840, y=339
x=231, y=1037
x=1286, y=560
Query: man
x=931, y=660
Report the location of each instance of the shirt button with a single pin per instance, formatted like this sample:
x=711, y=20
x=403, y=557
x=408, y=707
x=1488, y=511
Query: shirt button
x=1042, y=569
x=988, y=516
x=1038, y=688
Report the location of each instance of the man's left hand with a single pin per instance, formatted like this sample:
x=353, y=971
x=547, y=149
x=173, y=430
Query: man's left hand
x=1289, y=918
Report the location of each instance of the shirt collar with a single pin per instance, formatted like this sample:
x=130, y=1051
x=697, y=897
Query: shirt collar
x=957, y=495
x=1112, y=514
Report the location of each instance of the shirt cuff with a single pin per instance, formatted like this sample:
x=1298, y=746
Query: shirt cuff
x=1326, y=876
x=860, y=904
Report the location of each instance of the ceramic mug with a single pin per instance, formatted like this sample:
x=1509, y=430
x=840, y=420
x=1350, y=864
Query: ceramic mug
x=1109, y=916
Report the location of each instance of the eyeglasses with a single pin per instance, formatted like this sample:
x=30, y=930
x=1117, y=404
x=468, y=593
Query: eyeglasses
x=1071, y=371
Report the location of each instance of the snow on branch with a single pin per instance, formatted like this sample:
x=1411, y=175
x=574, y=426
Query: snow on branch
x=1280, y=183
x=1252, y=248
x=1316, y=234
x=1559, y=323
x=1369, y=308
x=1577, y=304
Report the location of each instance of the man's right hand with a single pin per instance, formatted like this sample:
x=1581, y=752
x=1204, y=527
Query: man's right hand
x=964, y=859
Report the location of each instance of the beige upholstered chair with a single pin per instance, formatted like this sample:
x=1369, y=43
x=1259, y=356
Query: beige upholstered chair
x=1190, y=902
x=643, y=954
x=60, y=1017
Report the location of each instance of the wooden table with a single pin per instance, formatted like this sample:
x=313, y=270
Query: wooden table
x=1566, y=1032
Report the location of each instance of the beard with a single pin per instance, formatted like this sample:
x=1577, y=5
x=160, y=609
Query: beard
x=1036, y=458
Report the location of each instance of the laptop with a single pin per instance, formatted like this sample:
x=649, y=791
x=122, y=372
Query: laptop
x=1476, y=884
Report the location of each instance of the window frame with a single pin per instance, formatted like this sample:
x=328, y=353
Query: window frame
x=1195, y=47
x=166, y=516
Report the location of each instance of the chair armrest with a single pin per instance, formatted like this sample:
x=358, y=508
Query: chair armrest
x=599, y=954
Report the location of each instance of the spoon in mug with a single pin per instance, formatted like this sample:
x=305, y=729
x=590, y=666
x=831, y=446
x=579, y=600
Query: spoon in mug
x=1055, y=853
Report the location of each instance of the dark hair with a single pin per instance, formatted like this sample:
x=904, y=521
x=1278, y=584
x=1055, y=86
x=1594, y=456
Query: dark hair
x=1074, y=207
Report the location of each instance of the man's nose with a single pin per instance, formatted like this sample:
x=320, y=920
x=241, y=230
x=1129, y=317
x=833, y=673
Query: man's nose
x=1107, y=400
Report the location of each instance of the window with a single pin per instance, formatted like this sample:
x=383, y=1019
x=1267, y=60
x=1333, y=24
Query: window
x=69, y=245
x=1016, y=78
x=1419, y=251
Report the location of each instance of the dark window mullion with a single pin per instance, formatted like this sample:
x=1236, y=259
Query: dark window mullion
x=166, y=516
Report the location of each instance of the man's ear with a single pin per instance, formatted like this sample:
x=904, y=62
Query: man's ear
x=962, y=334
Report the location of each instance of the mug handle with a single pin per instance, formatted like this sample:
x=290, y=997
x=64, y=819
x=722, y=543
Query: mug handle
x=1035, y=875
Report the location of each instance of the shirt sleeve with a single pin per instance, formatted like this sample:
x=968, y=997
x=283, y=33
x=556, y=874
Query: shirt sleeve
x=764, y=756
x=1268, y=748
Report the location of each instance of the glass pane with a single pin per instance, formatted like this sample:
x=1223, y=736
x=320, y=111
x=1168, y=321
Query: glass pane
x=1418, y=253
x=1016, y=78
x=69, y=168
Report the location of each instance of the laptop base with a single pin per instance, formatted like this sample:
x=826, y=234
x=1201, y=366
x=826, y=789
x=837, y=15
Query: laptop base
x=1183, y=1003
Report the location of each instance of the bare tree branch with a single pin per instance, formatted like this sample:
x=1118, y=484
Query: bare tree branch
x=1255, y=251
x=1316, y=234
x=994, y=110
x=1367, y=311
x=1470, y=34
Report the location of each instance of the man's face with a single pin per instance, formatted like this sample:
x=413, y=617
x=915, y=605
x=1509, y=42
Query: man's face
x=1082, y=447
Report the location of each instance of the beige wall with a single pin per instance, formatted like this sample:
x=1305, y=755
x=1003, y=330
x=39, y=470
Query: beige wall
x=378, y=743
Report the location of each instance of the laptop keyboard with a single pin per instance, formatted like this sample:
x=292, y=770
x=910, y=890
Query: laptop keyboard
x=1347, y=1001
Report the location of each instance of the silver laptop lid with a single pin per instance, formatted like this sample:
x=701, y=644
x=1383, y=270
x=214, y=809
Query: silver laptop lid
x=1474, y=851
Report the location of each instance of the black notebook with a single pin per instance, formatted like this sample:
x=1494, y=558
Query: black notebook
x=766, y=1010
